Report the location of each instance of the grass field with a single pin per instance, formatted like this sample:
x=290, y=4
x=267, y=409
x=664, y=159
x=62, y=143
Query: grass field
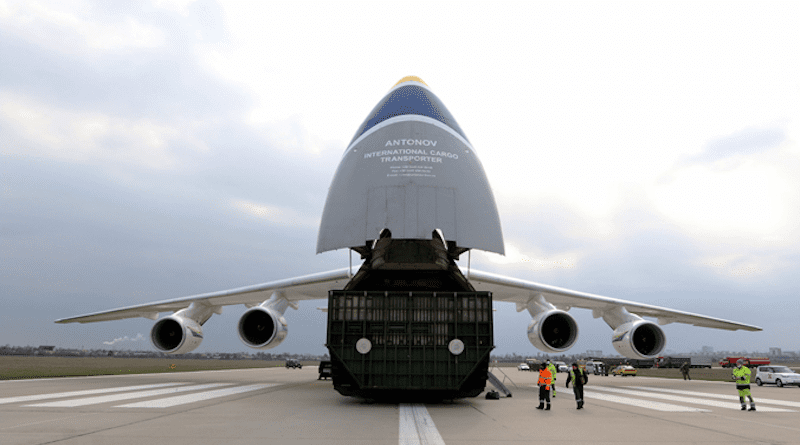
x=16, y=367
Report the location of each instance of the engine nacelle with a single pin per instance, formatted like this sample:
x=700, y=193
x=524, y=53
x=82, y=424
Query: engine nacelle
x=640, y=339
x=176, y=335
x=553, y=331
x=262, y=328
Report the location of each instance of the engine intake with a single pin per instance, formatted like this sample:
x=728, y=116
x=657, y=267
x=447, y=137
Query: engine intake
x=639, y=339
x=553, y=331
x=262, y=328
x=176, y=335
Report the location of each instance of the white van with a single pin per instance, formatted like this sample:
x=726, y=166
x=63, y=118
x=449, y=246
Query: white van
x=779, y=375
x=594, y=367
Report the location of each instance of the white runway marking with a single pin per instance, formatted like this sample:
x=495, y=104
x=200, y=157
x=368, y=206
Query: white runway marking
x=691, y=400
x=658, y=406
x=417, y=427
x=758, y=400
x=116, y=397
x=190, y=398
x=60, y=395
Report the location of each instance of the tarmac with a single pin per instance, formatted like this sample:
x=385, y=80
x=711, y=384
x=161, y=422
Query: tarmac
x=288, y=406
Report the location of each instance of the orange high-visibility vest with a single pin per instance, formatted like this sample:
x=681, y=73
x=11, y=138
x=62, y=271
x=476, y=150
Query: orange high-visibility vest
x=545, y=378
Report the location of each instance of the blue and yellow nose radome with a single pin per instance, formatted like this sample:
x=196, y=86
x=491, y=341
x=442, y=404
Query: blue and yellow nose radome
x=409, y=79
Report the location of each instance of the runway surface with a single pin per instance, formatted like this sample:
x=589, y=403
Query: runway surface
x=288, y=406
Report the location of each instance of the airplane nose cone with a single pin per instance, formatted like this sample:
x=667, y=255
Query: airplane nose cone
x=409, y=96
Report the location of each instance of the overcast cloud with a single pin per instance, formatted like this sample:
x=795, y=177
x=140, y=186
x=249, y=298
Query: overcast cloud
x=645, y=151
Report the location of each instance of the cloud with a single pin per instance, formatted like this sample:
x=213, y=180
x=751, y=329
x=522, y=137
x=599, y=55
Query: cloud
x=39, y=129
x=276, y=215
x=531, y=261
x=125, y=339
x=70, y=27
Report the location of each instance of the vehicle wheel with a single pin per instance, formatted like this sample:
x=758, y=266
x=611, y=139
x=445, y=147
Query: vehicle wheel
x=759, y=382
x=779, y=383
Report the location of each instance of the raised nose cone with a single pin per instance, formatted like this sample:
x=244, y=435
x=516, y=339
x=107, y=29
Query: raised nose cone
x=410, y=169
x=409, y=96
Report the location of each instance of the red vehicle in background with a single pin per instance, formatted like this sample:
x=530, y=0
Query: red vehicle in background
x=729, y=362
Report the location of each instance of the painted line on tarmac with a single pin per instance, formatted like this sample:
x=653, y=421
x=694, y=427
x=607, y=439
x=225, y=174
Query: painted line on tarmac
x=649, y=404
x=61, y=395
x=154, y=375
x=191, y=398
x=417, y=427
x=720, y=396
x=126, y=396
x=691, y=400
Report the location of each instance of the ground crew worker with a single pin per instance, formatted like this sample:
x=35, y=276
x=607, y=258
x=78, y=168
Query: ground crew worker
x=553, y=371
x=544, y=386
x=741, y=374
x=578, y=378
x=685, y=370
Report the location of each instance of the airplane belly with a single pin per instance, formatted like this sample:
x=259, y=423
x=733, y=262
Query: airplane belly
x=411, y=175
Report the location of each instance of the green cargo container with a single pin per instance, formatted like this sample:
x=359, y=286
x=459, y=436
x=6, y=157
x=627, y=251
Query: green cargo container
x=410, y=344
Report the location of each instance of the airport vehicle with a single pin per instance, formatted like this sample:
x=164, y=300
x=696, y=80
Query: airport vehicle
x=677, y=362
x=561, y=366
x=523, y=367
x=533, y=364
x=729, y=362
x=595, y=367
x=779, y=375
x=410, y=197
x=325, y=370
x=294, y=364
x=641, y=363
x=624, y=370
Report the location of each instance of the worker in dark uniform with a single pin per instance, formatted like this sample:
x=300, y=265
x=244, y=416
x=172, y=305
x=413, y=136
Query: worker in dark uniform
x=685, y=370
x=545, y=380
x=578, y=378
x=741, y=374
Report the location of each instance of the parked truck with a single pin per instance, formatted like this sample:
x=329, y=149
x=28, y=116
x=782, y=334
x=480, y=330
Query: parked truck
x=750, y=362
x=677, y=362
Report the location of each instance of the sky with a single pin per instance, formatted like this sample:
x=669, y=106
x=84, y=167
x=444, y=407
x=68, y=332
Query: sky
x=157, y=149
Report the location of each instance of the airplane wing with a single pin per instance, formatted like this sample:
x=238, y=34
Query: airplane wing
x=316, y=286
x=308, y=287
x=521, y=292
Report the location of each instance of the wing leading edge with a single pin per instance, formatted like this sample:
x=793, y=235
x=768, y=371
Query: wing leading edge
x=316, y=286
x=307, y=287
x=522, y=292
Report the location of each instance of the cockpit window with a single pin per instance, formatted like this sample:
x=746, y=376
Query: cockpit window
x=409, y=99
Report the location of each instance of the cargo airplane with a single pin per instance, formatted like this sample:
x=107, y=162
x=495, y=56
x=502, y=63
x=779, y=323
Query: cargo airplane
x=410, y=197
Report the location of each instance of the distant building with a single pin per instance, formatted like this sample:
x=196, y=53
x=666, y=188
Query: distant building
x=594, y=353
x=708, y=350
x=775, y=351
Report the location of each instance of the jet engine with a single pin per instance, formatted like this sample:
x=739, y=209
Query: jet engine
x=553, y=331
x=176, y=335
x=262, y=327
x=639, y=339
